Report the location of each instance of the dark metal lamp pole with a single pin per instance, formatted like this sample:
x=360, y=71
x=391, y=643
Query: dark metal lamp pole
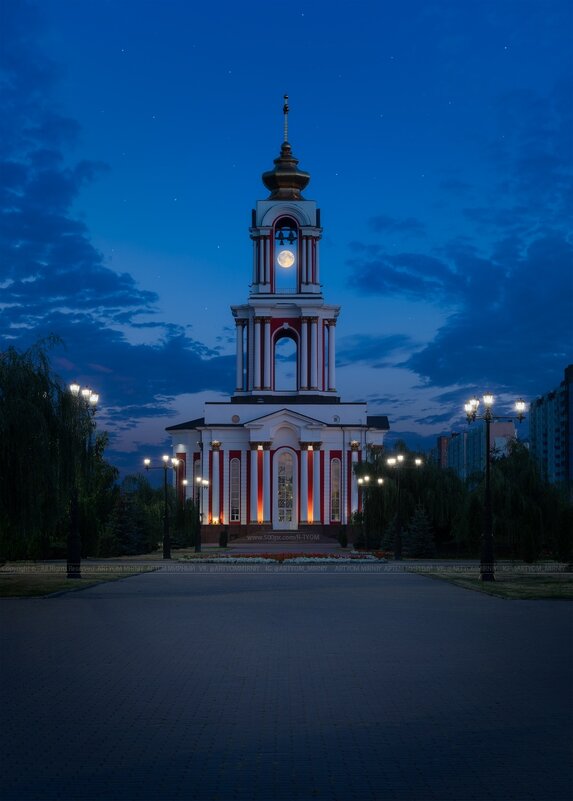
x=167, y=464
x=398, y=463
x=487, y=558
x=87, y=401
x=363, y=483
x=201, y=484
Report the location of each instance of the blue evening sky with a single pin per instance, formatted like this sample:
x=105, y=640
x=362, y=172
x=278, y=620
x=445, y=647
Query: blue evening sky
x=438, y=136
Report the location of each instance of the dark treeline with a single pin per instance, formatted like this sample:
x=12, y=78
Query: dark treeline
x=441, y=514
x=51, y=455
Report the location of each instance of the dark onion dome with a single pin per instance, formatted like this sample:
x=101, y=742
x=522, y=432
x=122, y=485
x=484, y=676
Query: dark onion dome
x=286, y=181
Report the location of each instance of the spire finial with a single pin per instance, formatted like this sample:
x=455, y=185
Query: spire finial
x=285, y=112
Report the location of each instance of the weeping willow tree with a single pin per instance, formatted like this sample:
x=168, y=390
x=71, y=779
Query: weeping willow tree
x=47, y=454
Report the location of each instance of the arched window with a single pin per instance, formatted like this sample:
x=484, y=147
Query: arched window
x=235, y=491
x=335, y=491
x=285, y=364
x=285, y=488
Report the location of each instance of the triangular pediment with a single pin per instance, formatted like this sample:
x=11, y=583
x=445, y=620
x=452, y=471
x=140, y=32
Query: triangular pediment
x=286, y=416
x=285, y=426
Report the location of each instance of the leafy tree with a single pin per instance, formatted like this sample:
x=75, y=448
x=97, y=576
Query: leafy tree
x=529, y=513
x=99, y=497
x=136, y=522
x=530, y=516
x=186, y=524
x=441, y=493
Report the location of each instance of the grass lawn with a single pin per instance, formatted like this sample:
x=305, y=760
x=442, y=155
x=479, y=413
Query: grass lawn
x=39, y=581
x=513, y=585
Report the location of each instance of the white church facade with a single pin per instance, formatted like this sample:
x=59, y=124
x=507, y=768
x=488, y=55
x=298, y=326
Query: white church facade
x=280, y=454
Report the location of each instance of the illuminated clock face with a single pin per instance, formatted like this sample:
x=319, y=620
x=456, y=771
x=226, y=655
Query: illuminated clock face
x=285, y=258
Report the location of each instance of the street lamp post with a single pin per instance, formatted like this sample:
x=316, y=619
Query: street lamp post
x=364, y=483
x=167, y=464
x=201, y=484
x=398, y=462
x=87, y=401
x=487, y=560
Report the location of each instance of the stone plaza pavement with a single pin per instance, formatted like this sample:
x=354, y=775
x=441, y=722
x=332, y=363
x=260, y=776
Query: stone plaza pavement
x=263, y=684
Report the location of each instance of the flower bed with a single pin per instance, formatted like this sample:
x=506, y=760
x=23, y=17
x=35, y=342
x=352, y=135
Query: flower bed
x=293, y=557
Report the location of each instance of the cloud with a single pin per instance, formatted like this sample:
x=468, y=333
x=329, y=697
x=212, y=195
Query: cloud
x=526, y=321
x=53, y=279
x=412, y=275
x=371, y=349
x=505, y=279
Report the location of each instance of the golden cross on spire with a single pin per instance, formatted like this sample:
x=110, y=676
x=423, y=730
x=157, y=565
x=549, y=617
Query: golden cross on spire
x=285, y=112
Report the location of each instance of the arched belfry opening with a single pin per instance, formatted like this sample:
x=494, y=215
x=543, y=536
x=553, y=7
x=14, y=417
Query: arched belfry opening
x=286, y=256
x=285, y=361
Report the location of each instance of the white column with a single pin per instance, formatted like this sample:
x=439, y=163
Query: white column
x=303, y=267
x=254, y=485
x=331, y=355
x=261, y=260
x=320, y=366
x=303, y=484
x=267, y=260
x=303, y=353
x=317, y=485
x=309, y=260
x=354, y=485
x=313, y=352
x=316, y=262
x=215, y=486
x=255, y=260
x=239, y=384
x=267, y=484
x=250, y=351
x=325, y=489
x=257, y=352
x=267, y=338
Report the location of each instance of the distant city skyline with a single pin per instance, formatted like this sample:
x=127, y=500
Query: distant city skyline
x=438, y=138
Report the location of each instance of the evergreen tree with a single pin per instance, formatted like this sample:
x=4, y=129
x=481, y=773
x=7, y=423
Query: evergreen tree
x=389, y=535
x=418, y=538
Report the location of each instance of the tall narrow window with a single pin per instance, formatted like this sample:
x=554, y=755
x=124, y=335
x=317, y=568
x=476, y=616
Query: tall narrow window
x=335, y=490
x=285, y=488
x=235, y=491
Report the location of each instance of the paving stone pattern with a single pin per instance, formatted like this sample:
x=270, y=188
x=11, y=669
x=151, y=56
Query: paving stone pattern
x=340, y=686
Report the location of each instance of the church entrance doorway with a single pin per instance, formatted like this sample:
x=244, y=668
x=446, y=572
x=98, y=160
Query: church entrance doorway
x=285, y=507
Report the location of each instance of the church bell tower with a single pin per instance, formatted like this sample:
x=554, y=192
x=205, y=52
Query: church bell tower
x=285, y=300
x=282, y=452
